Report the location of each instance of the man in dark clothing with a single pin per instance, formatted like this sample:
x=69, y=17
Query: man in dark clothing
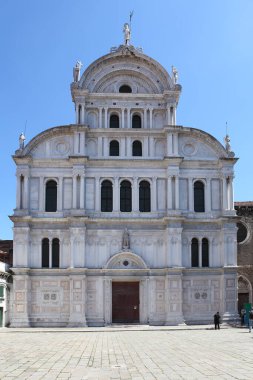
x=216, y=318
x=250, y=320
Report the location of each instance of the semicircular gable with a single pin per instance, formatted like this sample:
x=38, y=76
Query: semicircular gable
x=55, y=142
x=135, y=64
x=196, y=144
x=125, y=260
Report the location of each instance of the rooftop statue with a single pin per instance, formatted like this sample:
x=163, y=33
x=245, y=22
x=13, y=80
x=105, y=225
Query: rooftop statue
x=21, y=141
x=127, y=33
x=76, y=71
x=174, y=74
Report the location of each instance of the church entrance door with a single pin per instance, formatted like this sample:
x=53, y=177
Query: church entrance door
x=125, y=302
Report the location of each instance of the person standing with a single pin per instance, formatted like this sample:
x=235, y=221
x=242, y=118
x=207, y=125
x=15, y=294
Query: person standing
x=250, y=319
x=216, y=318
x=243, y=312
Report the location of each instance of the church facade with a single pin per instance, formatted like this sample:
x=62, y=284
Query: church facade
x=124, y=216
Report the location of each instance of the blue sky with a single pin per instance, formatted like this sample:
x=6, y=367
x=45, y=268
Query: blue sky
x=209, y=41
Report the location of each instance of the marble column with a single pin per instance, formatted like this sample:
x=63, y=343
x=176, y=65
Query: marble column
x=208, y=195
x=50, y=252
x=154, y=194
x=200, y=252
x=122, y=117
x=135, y=195
x=82, y=192
x=128, y=118
x=224, y=194
x=116, y=194
x=83, y=114
x=41, y=194
x=100, y=117
x=190, y=195
x=145, y=118
x=77, y=113
x=60, y=194
x=97, y=194
x=150, y=118
x=106, y=117
x=169, y=193
x=176, y=192
x=18, y=191
x=74, y=190
x=26, y=192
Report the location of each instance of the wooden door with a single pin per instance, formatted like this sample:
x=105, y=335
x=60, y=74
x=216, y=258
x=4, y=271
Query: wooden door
x=125, y=302
x=242, y=299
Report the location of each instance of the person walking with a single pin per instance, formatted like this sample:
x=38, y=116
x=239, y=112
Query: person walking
x=216, y=318
x=250, y=319
x=243, y=312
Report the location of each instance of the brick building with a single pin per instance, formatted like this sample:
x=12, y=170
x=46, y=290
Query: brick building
x=6, y=249
x=244, y=252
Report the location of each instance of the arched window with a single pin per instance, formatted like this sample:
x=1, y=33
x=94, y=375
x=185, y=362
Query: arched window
x=137, y=148
x=125, y=88
x=136, y=121
x=79, y=114
x=199, y=196
x=51, y=196
x=144, y=196
x=106, y=196
x=195, y=252
x=114, y=121
x=205, y=253
x=125, y=196
x=114, y=148
x=45, y=253
x=55, y=253
x=1, y=298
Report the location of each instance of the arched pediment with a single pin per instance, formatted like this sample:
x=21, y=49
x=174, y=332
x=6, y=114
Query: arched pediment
x=125, y=260
x=109, y=69
x=198, y=144
x=244, y=285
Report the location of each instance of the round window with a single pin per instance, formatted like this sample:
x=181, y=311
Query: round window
x=242, y=232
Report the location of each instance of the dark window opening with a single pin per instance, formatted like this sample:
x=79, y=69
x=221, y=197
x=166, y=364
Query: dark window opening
x=106, y=196
x=114, y=121
x=205, y=253
x=1, y=293
x=114, y=148
x=137, y=148
x=45, y=253
x=136, y=121
x=51, y=196
x=144, y=196
x=195, y=252
x=125, y=88
x=242, y=232
x=199, y=197
x=125, y=196
x=79, y=114
x=55, y=253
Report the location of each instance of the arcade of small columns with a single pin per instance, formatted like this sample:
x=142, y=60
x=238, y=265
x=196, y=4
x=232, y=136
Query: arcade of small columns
x=78, y=191
x=126, y=114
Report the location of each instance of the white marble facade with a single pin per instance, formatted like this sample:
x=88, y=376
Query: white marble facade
x=77, y=291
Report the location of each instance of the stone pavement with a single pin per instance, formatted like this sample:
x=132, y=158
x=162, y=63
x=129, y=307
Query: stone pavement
x=136, y=352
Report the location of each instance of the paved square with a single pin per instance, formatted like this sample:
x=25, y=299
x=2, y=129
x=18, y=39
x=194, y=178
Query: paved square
x=134, y=353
